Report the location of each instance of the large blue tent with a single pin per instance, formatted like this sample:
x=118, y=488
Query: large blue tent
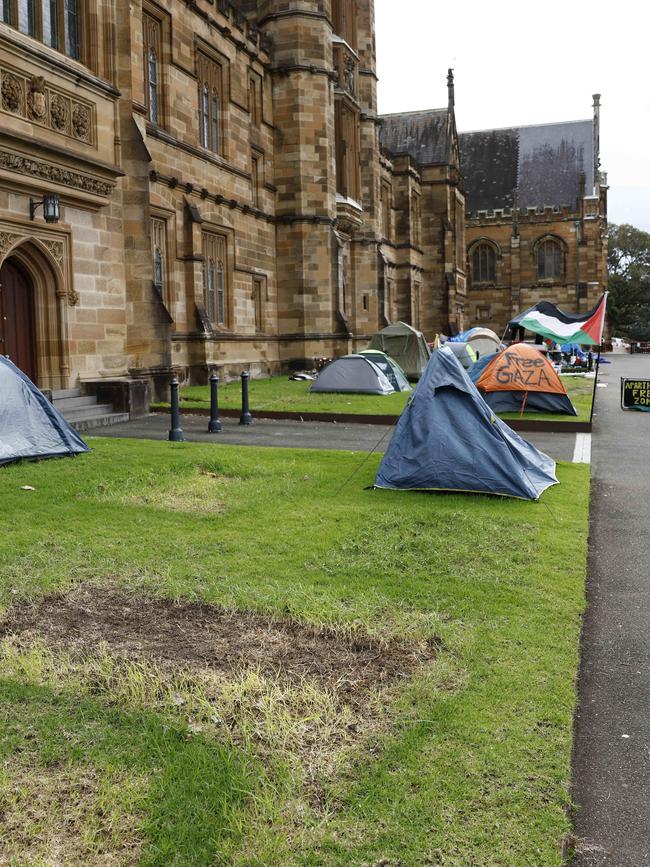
x=30, y=427
x=448, y=439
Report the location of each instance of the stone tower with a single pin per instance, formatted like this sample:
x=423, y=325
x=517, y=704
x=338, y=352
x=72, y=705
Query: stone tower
x=301, y=35
x=326, y=172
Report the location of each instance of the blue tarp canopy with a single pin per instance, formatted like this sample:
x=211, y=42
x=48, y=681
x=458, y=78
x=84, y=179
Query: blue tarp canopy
x=30, y=427
x=573, y=349
x=448, y=439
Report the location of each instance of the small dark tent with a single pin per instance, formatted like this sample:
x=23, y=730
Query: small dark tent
x=448, y=439
x=389, y=367
x=30, y=427
x=352, y=374
x=522, y=379
x=406, y=345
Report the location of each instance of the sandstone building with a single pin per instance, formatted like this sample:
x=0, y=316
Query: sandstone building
x=191, y=185
x=536, y=218
x=535, y=222
x=222, y=198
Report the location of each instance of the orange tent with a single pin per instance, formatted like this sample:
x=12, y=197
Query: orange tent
x=522, y=377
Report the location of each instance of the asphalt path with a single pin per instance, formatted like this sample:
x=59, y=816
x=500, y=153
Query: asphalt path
x=611, y=762
x=307, y=435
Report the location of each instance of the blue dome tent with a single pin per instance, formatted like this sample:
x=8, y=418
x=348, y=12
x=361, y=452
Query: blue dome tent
x=30, y=427
x=448, y=439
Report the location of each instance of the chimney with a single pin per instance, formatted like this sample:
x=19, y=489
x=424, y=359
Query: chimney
x=450, y=88
x=596, y=143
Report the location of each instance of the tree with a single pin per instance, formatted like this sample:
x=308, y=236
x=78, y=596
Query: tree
x=628, y=261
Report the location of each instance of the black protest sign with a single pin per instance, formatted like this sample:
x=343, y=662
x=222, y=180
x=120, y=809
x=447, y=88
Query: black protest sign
x=635, y=393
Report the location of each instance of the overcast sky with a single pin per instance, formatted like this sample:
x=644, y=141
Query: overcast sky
x=518, y=63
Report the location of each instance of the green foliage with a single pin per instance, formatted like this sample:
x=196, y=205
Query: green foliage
x=629, y=282
x=469, y=763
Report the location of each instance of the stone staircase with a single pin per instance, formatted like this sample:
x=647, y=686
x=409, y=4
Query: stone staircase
x=83, y=411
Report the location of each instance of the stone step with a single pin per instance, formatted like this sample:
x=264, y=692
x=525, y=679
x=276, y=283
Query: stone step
x=65, y=404
x=84, y=412
x=64, y=393
x=86, y=424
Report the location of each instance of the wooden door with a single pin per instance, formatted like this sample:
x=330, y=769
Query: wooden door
x=17, y=319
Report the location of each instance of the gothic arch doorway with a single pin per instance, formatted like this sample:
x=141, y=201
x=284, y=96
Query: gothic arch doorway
x=39, y=291
x=17, y=332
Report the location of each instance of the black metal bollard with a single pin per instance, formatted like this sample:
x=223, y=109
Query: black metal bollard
x=176, y=431
x=215, y=425
x=245, y=417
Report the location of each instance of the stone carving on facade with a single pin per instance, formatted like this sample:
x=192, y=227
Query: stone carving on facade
x=73, y=297
x=12, y=93
x=37, y=101
x=7, y=241
x=55, y=249
x=59, y=113
x=26, y=166
x=349, y=73
x=81, y=122
x=33, y=99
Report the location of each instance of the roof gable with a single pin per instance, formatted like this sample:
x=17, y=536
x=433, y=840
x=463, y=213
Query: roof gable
x=425, y=135
x=543, y=163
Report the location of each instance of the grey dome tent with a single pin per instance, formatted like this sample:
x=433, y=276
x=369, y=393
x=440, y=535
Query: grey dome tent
x=483, y=341
x=389, y=367
x=448, y=439
x=30, y=427
x=406, y=345
x=464, y=352
x=352, y=374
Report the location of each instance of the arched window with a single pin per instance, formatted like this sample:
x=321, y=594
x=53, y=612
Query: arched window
x=344, y=19
x=215, y=281
x=158, y=269
x=483, y=264
x=206, y=116
x=71, y=27
x=159, y=244
x=550, y=264
x=221, y=306
x=152, y=68
x=210, y=301
x=152, y=35
x=55, y=22
x=210, y=102
x=215, y=120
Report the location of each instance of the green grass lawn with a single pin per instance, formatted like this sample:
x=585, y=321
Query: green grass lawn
x=109, y=760
x=279, y=393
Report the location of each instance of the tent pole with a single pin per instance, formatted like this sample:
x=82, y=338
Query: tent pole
x=523, y=404
x=593, y=396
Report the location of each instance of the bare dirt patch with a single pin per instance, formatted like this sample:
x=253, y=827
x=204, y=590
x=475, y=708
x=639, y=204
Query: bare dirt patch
x=199, y=635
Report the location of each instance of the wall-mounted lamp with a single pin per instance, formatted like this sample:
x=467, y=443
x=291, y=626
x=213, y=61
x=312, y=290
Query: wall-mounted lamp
x=51, y=208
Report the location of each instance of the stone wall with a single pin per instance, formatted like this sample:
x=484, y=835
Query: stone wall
x=581, y=234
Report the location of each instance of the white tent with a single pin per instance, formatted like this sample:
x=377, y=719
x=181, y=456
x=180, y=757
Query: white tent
x=483, y=341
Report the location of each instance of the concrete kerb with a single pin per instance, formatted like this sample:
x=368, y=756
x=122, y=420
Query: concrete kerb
x=524, y=424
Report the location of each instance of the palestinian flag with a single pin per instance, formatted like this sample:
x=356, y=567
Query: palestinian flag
x=551, y=322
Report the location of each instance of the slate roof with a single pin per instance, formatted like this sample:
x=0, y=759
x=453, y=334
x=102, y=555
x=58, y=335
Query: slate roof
x=422, y=134
x=543, y=163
